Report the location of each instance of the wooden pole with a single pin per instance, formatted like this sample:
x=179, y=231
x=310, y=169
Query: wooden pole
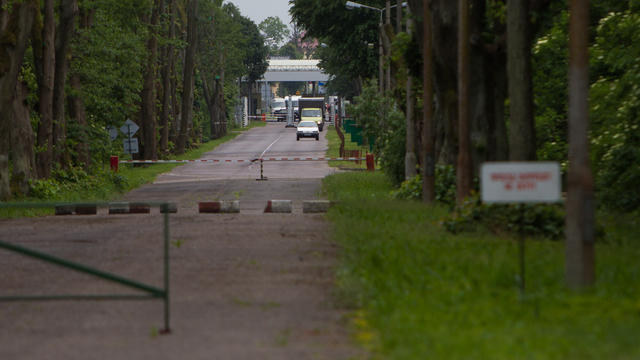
x=580, y=203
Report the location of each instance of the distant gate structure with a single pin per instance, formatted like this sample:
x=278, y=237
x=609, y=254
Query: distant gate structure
x=293, y=70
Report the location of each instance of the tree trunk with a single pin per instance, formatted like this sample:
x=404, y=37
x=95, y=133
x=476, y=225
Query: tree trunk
x=222, y=103
x=66, y=29
x=4, y=15
x=175, y=107
x=209, y=101
x=188, y=75
x=428, y=157
x=167, y=108
x=464, y=166
x=149, y=146
x=76, y=102
x=22, y=142
x=580, y=204
x=522, y=140
x=495, y=69
x=47, y=65
x=13, y=44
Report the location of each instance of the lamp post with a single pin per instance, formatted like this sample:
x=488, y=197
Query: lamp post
x=353, y=5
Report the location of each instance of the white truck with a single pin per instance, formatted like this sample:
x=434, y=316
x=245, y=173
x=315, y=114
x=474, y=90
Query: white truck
x=279, y=109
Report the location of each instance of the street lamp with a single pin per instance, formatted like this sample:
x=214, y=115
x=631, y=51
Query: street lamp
x=354, y=5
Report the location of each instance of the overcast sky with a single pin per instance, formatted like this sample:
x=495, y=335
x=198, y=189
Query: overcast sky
x=258, y=10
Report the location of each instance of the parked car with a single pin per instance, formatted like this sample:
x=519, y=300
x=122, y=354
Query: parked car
x=307, y=129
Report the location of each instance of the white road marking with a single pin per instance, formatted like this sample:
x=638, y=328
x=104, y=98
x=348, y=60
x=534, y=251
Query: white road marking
x=267, y=149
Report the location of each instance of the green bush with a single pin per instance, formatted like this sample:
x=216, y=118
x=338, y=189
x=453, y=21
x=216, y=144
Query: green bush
x=537, y=220
x=382, y=120
x=445, y=186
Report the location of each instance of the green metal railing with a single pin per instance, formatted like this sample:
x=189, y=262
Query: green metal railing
x=150, y=292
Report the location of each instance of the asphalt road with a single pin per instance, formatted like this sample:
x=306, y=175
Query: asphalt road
x=243, y=286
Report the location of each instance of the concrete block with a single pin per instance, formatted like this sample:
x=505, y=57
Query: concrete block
x=86, y=209
x=279, y=206
x=219, y=207
x=65, y=209
x=118, y=208
x=316, y=206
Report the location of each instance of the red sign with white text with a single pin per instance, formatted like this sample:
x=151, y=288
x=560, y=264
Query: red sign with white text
x=520, y=182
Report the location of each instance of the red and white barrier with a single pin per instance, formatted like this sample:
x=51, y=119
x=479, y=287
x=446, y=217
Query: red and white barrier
x=179, y=161
x=240, y=161
x=279, y=206
x=219, y=207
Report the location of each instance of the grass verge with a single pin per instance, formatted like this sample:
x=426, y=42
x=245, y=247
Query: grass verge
x=423, y=293
x=104, y=184
x=334, y=149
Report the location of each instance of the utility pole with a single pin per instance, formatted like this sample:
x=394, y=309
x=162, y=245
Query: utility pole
x=579, y=224
x=428, y=148
x=464, y=156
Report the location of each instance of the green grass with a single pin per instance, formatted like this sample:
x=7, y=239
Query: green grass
x=105, y=185
x=334, y=149
x=423, y=293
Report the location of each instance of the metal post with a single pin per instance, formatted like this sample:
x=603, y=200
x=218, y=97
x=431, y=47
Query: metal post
x=521, y=243
x=129, y=142
x=262, y=177
x=165, y=208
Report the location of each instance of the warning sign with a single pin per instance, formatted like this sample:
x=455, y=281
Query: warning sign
x=520, y=182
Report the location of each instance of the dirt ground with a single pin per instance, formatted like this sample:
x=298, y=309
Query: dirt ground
x=243, y=286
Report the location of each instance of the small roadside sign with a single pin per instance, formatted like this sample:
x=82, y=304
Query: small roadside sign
x=130, y=146
x=520, y=182
x=129, y=128
x=113, y=132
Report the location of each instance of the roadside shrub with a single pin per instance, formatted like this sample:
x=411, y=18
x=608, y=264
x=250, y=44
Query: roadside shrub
x=445, y=186
x=44, y=189
x=381, y=119
x=537, y=220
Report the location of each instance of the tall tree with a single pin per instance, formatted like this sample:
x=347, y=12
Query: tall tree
x=13, y=44
x=274, y=29
x=75, y=100
x=189, y=65
x=580, y=205
x=22, y=142
x=45, y=47
x=66, y=29
x=147, y=114
x=168, y=64
x=522, y=141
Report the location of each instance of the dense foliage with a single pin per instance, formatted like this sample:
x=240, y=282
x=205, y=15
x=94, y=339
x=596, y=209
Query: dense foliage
x=615, y=77
x=127, y=59
x=382, y=121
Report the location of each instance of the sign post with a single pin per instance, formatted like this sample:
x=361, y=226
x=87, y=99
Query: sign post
x=130, y=145
x=520, y=182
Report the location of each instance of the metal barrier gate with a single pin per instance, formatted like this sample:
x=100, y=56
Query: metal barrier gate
x=151, y=291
